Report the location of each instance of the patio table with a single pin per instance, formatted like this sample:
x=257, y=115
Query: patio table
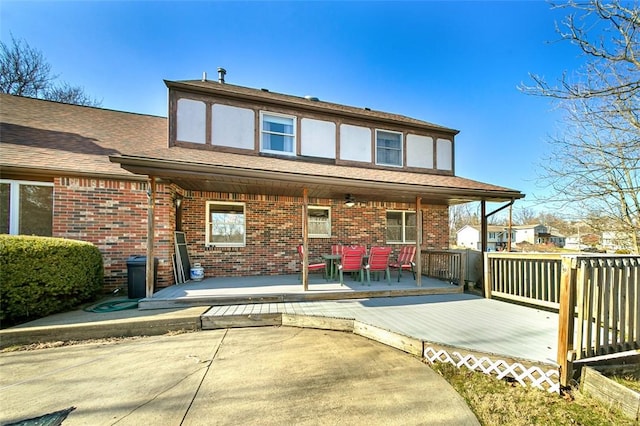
x=332, y=265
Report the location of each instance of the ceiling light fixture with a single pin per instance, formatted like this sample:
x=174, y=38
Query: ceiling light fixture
x=349, y=200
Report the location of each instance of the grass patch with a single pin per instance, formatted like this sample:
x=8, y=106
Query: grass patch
x=630, y=380
x=498, y=402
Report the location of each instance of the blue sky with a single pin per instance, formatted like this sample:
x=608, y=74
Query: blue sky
x=457, y=64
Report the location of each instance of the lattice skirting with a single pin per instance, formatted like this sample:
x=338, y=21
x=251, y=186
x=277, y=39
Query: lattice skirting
x=527, y=376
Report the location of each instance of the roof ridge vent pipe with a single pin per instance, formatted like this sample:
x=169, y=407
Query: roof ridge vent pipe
x=221, y=74
x=204, y=76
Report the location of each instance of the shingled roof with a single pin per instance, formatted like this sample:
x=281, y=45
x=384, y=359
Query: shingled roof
x=305, y=103
x=40, y=137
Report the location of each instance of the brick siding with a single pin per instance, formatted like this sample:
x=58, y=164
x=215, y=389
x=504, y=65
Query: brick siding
x=112, y=214
x=273, y=230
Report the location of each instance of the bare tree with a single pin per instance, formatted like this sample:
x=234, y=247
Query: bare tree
x=594, y=166
x=25, y=72
x=525, y=216
x=461, y=215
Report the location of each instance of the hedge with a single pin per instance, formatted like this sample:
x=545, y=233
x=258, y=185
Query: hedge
x=40, y=276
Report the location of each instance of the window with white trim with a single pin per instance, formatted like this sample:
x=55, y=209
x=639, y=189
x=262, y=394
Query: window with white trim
x=388, y=148
x=225, y=224
x=26, y=208
x=401, y=226
x=277, y=133
x=319, y=221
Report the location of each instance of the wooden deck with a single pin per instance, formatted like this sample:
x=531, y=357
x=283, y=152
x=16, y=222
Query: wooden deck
x=462, y=321
x=287, y=288
x=438, y=316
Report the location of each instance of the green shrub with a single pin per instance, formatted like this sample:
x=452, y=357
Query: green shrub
x=41, y=276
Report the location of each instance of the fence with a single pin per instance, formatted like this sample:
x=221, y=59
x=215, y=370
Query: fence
x=532, y=278
x=444, y=265
x=597, y=298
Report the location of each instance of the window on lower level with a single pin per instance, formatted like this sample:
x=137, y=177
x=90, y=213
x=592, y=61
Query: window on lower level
x=26, y=208
x=388, y=148
x=278, y=133
x=225, y=224
x=401, y=227
x=319, y=222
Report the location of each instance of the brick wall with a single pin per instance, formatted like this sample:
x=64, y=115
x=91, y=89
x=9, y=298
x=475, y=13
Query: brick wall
x=273, y=230
x=112, y=214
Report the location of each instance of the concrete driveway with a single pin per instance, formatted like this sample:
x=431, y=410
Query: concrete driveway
x=265, y=375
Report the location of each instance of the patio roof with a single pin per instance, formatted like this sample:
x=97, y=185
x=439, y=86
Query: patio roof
x=205, y=170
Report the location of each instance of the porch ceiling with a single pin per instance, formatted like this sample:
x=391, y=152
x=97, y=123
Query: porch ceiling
x=321, y=181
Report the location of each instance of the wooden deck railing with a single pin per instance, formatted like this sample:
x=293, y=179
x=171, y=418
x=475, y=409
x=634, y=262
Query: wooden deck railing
x=597, y=297
x=444, y=265
x=532, y=278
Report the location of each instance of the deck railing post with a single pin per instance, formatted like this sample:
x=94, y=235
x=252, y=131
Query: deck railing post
x=566, y=314
x=488, y=278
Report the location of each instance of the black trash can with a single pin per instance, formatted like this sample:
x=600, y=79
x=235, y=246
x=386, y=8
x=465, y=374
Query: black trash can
x=137, y=276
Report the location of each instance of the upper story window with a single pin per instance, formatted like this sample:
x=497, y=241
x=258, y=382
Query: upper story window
x=225, y=224
x=277, y=133
x=319, y=222
x=401, y=227
x=388, y=148
x=26, y=208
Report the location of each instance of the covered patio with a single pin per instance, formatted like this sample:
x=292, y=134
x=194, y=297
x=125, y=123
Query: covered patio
x=222, y=291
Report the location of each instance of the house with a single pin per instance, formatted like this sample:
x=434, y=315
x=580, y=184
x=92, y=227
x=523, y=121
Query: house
x=532, y=234
x=497, y=238
x=613, y=241
x=247, y=175
x=539, y=234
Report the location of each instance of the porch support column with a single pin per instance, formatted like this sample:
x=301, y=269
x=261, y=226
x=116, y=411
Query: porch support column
x=419, y=241
x=305, y=237
x=510, y=227
x=483, y=226
x=483, y=243
x=151, y=197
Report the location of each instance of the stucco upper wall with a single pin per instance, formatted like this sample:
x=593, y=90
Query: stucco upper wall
x=216, y=116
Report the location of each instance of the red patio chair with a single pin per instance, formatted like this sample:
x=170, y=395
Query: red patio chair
x=378, y=262
x=337, y=249
x=405, y=261
x=312, y=267
x=351, y=261
x=363, y=249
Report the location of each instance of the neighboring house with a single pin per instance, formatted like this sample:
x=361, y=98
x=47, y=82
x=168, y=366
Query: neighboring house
x=239, y=169
x=557, y=239
x=497, y=239
x=613, y=241
x=532, y=234
x=584, y=241
x=573, y=242
x=498, y=236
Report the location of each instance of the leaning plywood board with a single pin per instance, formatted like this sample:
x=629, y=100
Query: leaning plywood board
x=182, y=257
